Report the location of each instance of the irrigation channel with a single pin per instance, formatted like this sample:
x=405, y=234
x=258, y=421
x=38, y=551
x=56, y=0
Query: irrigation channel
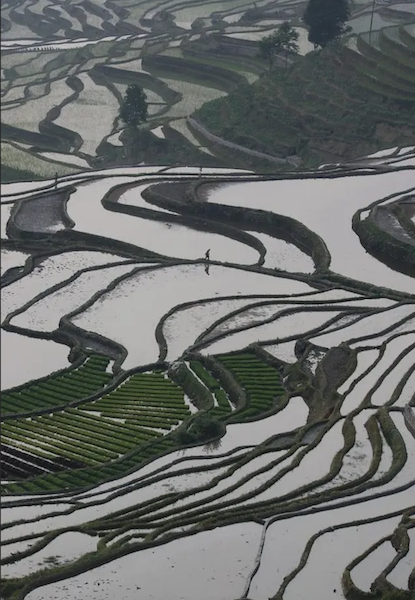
x=234, y=427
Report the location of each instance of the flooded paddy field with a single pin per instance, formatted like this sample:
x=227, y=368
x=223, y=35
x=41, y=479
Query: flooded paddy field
x=241, y=424
x=208, y=382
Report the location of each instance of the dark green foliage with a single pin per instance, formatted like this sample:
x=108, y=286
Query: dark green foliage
x=134, y=107
x=204, y=375
x=322, y=107
x=58, y=390
x=204, y=427
x=124, y=424
x=261, y=383
x=326, y=20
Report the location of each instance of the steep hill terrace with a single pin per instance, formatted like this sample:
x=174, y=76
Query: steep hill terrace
x=340, y=102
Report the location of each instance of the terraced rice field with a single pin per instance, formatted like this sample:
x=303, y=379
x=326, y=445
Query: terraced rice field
x=222, y=417
x=174, y=426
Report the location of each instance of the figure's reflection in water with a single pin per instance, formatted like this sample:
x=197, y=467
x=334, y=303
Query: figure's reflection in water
x=207, y=267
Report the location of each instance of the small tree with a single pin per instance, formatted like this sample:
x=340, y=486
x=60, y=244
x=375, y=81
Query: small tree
x=289, y=37
x=282, y=39
x=326, y=20
x=134, y=109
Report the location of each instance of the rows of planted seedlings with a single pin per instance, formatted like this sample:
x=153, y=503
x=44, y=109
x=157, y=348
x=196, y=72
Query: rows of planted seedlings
x=58, y=390
x=18, y=463
x=223, y=408
x=93, y=475
x=147, y=400
x=126, y=426
x=261, y=382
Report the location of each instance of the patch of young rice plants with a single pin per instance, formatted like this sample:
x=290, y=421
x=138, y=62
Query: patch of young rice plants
x=261, y=382
x=94, y=433
x=222, y=406
x=60, y=389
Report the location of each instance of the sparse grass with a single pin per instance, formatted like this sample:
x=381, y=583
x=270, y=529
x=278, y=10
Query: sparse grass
x=15, y=161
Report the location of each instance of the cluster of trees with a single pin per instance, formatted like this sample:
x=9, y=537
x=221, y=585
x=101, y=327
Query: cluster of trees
x=326, y=21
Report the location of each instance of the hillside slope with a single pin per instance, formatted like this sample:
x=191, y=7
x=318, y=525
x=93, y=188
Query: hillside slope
x=337, y=103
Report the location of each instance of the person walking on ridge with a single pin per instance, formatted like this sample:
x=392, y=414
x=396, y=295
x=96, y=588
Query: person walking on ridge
x=207, y=255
